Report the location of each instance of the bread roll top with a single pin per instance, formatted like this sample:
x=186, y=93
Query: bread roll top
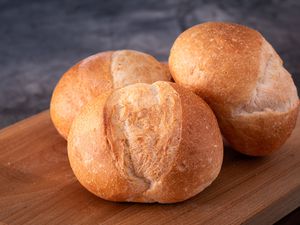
x=233, y=68
x=97, y=74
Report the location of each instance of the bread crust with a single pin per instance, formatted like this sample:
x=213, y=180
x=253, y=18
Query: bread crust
x=200, y=152
x=81, y=83
x=204, y=55
x=97, y=74
x=260, y=133
x=188, y=152
x=238, y=73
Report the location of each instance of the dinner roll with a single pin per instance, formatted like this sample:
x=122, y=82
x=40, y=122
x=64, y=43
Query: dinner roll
x=146, y=143
x=97, y=74
x=238, y=73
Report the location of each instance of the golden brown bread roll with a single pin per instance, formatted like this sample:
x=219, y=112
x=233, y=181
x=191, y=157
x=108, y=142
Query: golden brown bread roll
x=146, y=143
x=97, y=74
x=239, y=74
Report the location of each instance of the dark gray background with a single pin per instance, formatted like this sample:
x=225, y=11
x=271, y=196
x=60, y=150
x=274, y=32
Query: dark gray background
x=40, y=40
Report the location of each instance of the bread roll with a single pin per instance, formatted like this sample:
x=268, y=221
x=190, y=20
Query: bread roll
x=97, y=74
x=146, y=143
x=238, y=73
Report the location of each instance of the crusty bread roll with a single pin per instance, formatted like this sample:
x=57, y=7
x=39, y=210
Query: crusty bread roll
x=97, y=74
x=146, y=143
x=242, y=78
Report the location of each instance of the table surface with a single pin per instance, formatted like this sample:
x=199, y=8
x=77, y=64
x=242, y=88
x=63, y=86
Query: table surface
x=37, y=186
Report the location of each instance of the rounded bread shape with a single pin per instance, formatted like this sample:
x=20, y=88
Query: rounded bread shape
x=146, y=143
x=97, y=74
x=238, y=73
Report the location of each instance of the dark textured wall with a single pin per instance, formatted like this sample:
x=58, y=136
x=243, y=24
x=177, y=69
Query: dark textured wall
x=39, y=40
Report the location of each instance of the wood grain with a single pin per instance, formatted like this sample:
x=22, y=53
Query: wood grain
x=37, y=186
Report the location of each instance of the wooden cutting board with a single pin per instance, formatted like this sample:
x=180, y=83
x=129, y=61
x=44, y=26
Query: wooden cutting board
x=37, y=186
